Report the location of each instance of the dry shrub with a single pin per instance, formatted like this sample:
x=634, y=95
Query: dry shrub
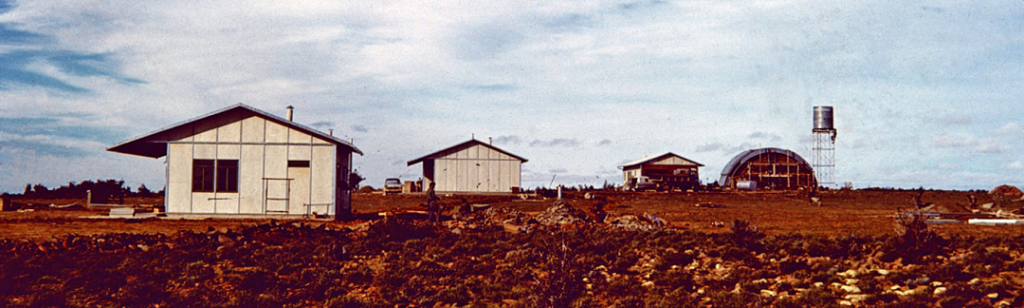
x=914, y=241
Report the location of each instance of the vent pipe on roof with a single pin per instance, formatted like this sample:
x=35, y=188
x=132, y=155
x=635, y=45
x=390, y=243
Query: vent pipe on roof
x=330, y=132
x=490, y=141
x=291, y=110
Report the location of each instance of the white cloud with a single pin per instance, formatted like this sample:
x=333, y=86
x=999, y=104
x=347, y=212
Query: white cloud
x=912, y=85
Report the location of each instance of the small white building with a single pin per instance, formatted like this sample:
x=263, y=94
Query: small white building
x=243, y=161
x=471, y=167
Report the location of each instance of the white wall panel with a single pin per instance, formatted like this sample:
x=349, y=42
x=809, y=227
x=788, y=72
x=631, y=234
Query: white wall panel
x=322, y=185
x=203, y=203
x=298, y=152
x=252, y=130
x=231, y=132
x=276, y=133
x=505, y=179
x=296, y=136
x=250, y=179
x=494, y=176
x=179, y=186
x=226, y=203
x=209, y=135
x=204, y=151
x=299, y=193
x=228, y=151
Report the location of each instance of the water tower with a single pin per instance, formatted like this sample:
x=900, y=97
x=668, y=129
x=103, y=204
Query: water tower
x=824, y=146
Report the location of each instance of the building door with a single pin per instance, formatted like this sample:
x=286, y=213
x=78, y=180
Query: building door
x=299, y=195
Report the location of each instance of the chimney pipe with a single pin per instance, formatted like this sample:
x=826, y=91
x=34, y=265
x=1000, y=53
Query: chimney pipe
x=291, y=110
x=330, y=132
x=490, y=141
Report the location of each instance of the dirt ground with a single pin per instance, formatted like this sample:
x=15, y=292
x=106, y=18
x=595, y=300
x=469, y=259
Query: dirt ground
x=861, y=212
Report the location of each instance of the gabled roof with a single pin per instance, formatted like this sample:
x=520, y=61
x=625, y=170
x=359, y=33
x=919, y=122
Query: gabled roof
x=460, y=146
x=731, y=168
x=654, y=158
x=154, y=144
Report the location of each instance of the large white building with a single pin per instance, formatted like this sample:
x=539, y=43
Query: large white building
x=471, y=167
x=241, y=160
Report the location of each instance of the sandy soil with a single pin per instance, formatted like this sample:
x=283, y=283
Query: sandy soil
x=862, y=212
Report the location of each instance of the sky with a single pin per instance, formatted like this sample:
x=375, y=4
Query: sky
x=925, y=95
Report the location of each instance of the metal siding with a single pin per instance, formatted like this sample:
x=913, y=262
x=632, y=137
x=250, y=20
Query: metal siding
x=250, y=179
x=504, y=175
x=494, y=176
x=463, y=180
x=450, y=176
x=253, y=130
x=516, y=169
x=440, y=173
x=179, y=178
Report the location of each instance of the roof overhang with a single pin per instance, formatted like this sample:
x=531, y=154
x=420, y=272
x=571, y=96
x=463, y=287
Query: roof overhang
x=154, y=144
x=466, y=144
x=640, y=162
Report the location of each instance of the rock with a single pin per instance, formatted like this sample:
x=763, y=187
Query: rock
x=992, y=295
x=850, y=289
x=768, y=293
x=561, y=213
x=845, y=303
x=856, y=298
x=940, y=291
x=819, y=284
x=936, y=283
x=883, y=272
x=851, y=281
x=647, y=284
x=633, y=222
x=848, y=274
x=974, y=281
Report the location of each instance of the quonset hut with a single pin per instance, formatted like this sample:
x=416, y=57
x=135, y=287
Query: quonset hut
x=243, y=161
x=768, y=168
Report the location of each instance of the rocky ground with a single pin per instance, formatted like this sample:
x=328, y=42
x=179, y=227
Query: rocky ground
x=560, y=257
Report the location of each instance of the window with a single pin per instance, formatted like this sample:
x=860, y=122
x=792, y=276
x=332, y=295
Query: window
x=202, y=175
x=298, y=163
x=214, y=175
x=227, y=176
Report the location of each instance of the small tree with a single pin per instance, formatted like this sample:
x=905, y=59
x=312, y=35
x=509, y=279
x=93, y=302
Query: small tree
x=144, y=191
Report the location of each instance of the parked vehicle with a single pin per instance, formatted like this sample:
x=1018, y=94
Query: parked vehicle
x=392, y=186
x=641, y=184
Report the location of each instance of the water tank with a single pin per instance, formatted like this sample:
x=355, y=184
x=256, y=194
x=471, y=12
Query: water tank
x=746, y=185
x=823, y=118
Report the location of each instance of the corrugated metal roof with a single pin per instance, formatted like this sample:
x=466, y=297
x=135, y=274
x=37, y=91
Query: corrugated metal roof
x=150, y=145
x=652, y=158
x=466, y=144
x=731, y=168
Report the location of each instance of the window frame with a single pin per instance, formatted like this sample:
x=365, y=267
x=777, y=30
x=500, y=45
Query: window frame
x=215, y=175
x=204, y=175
